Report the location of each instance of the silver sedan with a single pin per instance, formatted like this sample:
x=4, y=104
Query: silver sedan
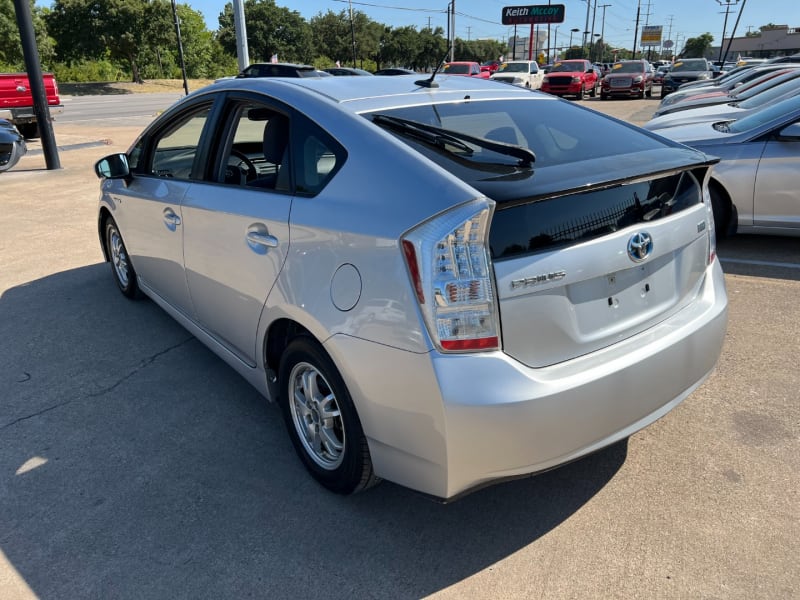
x=442, y=281
x=754, y=188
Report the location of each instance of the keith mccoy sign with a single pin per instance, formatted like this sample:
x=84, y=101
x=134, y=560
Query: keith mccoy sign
x=540, y=13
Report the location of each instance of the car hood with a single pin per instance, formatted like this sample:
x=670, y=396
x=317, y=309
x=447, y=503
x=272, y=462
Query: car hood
x=703, y=114
x=696, y=134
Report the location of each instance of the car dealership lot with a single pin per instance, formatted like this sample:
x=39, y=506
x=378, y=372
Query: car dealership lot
x=134, y=463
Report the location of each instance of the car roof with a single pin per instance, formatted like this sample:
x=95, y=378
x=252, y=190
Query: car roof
x=373, y=93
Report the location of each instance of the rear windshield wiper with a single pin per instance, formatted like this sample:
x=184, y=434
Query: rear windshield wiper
x=418, y=130
x=440, y=137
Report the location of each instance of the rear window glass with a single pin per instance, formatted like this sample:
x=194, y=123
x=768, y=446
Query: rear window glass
x=556, y=132
x=548, y=224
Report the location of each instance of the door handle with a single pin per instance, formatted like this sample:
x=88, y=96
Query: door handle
x=171, y=219
x=262, y=239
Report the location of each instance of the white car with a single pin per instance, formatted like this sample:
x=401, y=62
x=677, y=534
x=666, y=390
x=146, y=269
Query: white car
x=524, y=73
x=442, y=283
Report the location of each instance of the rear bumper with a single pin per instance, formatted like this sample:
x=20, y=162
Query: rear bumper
x=443, y=424
x=26, y=114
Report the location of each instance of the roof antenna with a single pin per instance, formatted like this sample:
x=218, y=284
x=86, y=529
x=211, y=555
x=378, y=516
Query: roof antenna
x=430, y=83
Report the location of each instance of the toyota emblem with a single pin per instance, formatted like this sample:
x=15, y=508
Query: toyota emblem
x=640, y=246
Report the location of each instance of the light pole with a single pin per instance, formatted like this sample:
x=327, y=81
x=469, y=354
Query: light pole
x=571, y=31
x=594, y=47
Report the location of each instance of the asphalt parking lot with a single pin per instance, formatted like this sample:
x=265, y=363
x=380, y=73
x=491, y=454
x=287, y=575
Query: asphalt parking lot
x=135, y=464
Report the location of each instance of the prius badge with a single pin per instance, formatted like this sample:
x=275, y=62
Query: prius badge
x=640, y=246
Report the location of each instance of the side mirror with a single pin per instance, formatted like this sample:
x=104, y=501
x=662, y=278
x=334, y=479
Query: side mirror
x=113, y=166
x=790, y=133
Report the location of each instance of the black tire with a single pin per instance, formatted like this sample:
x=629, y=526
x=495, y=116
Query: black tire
x=29, y=130
x=321, y=419
x=649, y=92
x=582, y=93
x=593, y=93
x=10, y=158
x=603, y=96
x=121, y=265
x=722, y=210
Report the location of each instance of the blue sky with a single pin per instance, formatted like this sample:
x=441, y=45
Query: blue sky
x=482, y=18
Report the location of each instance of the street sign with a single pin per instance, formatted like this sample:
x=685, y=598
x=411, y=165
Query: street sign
x=651, y=35
x=539, y=13
x=668, y=44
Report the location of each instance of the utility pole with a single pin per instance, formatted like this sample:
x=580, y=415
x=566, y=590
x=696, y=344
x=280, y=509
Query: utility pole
x=469, y=32
x=669, y=34
x=591, y=39
x=353, y=33
x=180, y=47
x=453, y=31
x=636, y=29
x=586, y=27
x=603, y=27
x=733, y=33
x=727, y=4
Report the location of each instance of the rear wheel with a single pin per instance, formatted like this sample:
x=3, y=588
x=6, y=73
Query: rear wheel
x=29, y=130
x=321, y=419
x=723, y=210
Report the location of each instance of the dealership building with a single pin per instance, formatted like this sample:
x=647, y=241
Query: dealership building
x=776, y=40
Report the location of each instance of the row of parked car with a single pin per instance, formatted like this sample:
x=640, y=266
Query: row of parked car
x=750, y=119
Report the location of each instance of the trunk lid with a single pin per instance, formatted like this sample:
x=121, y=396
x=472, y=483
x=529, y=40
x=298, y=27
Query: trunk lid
x=581, y=272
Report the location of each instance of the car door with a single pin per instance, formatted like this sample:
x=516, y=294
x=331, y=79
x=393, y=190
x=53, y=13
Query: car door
x=148, y=207
x=236, y=223
x=776, y=201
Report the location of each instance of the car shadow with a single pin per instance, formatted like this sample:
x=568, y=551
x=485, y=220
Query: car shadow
x=135, y=464
x=776, y=257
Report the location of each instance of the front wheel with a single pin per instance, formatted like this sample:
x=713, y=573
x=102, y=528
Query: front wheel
x=321, y=419
x=121, y=266
x=593, y=93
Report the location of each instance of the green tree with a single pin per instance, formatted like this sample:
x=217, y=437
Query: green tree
x=432, y=49
x=130, y=32
x=11, y=57
x=271, y=30
x=697, y=47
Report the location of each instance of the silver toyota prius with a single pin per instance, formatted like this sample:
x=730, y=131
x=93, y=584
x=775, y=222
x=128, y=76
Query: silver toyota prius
x=442, y=282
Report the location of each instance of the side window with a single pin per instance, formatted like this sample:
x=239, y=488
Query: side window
x=175, y=149
x=317, y=158
x=256, y=151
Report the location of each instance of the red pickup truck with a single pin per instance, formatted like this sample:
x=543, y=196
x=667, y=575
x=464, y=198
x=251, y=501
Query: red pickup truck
x=16, y=101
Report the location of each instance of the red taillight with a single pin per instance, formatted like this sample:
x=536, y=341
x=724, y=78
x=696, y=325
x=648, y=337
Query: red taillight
x=488, y=343
x=450, y=269
x=413, y=269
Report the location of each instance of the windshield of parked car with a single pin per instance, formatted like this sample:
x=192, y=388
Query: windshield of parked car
x=627, y=67
x=567, y=67
x=761, y=84
x=555, y=135
x=453, y=69
x=765, y=115
x=689, y=65
x=768, y=95
x=513, y=68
